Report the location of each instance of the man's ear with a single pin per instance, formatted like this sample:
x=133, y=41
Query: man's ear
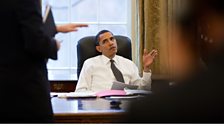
x=98, y=49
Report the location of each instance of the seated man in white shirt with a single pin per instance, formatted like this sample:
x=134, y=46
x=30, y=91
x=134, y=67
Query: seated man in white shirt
x=99, y=73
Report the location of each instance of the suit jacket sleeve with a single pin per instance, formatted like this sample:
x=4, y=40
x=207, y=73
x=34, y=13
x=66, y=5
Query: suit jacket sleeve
x=36, y=42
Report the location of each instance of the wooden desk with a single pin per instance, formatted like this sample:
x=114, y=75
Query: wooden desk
x=94, y=110
x=63, y=86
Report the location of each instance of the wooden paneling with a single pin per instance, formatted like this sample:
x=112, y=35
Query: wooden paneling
x=63, y=86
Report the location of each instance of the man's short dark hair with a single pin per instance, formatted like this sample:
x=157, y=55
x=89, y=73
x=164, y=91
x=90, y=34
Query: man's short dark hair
x=98, y=35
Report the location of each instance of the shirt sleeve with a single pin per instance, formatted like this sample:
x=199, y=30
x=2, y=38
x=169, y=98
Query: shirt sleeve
x=144, y=82
x=84, y=82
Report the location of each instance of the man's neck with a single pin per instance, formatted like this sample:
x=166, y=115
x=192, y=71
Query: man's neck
x=110, y=57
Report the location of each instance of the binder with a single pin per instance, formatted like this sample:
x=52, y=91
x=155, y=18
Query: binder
x=49, y=23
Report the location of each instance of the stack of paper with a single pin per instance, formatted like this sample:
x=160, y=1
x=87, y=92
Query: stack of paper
x=136, y=92
x=129, y=93
x=75, y=95
x=81, y=94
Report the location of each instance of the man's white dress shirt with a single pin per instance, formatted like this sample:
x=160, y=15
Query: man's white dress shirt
x=96, y=74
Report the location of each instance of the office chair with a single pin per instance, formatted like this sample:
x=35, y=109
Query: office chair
x=86, y=48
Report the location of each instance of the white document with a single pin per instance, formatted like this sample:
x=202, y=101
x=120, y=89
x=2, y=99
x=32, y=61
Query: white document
x=74, y=95
x=135, y=92
x=120, y=86
x=85, y=94
x=125, y=97
x=58, y=94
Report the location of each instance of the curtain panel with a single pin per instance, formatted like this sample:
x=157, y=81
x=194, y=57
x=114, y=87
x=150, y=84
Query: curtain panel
x=154, y=30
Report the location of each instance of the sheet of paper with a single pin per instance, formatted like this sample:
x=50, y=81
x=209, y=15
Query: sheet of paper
x=74, y=94
x=135, y=92
x=85, y=94
x=125, y=97
x=58, y=94
x=120, y=86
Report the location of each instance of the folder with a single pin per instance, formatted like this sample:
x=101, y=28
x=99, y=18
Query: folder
x=49, y=23
x=107, y=93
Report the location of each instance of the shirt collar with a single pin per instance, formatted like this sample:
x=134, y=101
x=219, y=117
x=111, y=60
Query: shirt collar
x=106, y=60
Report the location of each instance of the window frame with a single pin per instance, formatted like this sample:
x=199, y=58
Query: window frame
x=131, y=33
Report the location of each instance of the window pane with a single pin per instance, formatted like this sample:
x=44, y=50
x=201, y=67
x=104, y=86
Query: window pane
x=115, y=29
x=60, y=10
x=76, y=36
x=113, y=10
x=84, y=10
x=63, y=54
x=61, y=74
x=102, y=14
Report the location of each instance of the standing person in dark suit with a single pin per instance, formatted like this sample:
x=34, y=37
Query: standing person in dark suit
x=24, y=86
x=197, y=97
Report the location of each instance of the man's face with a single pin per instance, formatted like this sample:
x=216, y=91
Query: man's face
x=107, y=45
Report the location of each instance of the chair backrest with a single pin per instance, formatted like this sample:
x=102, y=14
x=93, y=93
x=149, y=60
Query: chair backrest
x=86, y=48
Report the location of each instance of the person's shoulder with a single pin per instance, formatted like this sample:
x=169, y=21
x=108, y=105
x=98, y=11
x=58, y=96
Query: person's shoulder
x=92, y=59
x=123, y=59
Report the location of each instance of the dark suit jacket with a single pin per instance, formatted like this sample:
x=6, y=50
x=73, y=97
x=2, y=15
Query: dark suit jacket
x=24, y=86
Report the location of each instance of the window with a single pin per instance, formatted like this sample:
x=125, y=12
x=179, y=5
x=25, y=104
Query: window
x=99, y=14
